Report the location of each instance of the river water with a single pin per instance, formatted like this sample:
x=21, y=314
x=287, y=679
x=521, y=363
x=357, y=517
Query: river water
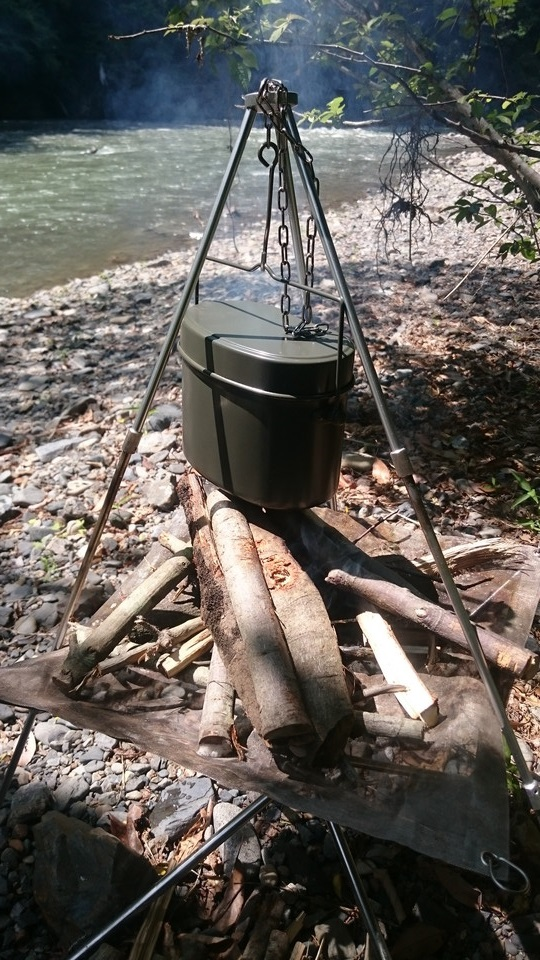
x=77, y=200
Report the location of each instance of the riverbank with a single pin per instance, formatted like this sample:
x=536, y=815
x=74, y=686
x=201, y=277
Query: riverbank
x=460, y=371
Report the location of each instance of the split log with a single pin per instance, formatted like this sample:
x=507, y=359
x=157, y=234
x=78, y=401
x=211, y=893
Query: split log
x=312, y=643
x=282, y=712
x=216, y=608
x=217, y=712
x=396, y=667
x=401, y=602
x=83, y=657
x=177, y=660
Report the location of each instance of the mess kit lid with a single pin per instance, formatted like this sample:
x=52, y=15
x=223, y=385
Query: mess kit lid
x=244, y=343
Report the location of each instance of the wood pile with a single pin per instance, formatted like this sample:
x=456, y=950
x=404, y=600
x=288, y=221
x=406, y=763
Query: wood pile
x=274, y=646
x=338, y=679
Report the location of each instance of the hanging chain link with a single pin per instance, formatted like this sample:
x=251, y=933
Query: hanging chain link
x=272, y=100
x=283, y=235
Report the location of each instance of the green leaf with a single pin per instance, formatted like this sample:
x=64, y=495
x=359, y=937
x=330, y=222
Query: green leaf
x=451, y=13
x=283, y=25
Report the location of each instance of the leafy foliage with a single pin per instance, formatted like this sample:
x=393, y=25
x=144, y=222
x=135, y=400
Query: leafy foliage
x=421, y=66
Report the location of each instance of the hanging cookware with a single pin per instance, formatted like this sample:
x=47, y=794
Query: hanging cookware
x=264, y=412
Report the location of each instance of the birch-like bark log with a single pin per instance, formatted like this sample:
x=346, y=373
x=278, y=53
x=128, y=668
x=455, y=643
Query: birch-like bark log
x=217, y=712
x=282, y=711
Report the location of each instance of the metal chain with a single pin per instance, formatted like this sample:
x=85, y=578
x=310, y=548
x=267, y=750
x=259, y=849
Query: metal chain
x=268, y=149
x=283, y=235
x=275, y=116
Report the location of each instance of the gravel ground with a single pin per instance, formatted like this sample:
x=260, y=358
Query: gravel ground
x=460, y=372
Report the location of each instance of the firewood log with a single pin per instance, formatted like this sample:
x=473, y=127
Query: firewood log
x=402, y=603
x=157, y=554
x=217, y=712
x=282, y=711
x=99, y=642
x=216, y=608
x=312, y=643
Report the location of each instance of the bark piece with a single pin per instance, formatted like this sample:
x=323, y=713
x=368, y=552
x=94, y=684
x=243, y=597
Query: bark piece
x=311, y=641
x=269, y=918
x=396, y=667
x=401, y=602
x=217, y=713
x=282, y=712
x=83, y=657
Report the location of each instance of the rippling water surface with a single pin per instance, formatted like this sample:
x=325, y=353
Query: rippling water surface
x=77, y=200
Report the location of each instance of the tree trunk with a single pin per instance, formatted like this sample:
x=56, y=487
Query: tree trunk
x=457, y=112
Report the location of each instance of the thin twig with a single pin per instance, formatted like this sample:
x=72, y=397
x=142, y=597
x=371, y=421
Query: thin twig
x=479, y=261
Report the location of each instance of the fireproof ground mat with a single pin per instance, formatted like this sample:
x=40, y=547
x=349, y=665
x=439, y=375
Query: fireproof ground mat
x=446, y=799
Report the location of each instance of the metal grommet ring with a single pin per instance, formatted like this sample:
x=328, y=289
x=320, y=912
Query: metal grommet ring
x=491, y=860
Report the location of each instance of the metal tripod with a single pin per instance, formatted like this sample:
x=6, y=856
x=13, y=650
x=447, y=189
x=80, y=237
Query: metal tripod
x=274, y=102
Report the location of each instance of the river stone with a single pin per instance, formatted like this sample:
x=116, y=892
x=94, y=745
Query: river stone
x=29, y=803
x=83, y=876
x=161, y=494
x=27, y=496
x=178, y=806
x=48, y=451
x=163, y=415
x=7, y=713
x=156, y=441
x=25, y=626
x=71, y=790
x=243, y=848
x=45, y=731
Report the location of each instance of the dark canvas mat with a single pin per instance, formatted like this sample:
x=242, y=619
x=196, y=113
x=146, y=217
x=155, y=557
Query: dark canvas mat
x=446, y=799
x=450, y=816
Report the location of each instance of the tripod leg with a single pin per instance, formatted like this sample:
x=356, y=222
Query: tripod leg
x=370, y=921
x=403, y=467
x=16, y=755
x=134, y=433
x=170, y=879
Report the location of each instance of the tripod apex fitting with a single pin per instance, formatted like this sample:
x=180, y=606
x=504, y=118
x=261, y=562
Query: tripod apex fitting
x=274, y=95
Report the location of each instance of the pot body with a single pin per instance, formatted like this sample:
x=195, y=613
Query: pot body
x=264, y=414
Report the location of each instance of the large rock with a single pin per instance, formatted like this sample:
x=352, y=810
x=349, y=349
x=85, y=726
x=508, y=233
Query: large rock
x=84, y=877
